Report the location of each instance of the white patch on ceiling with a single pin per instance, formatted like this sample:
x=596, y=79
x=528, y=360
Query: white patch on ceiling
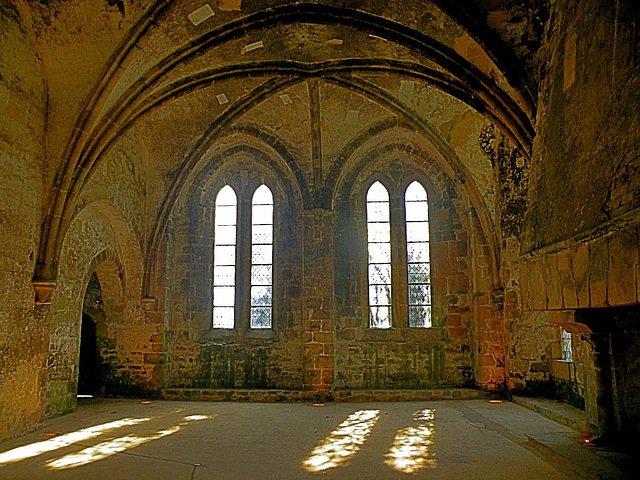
x=229, y=5
x=405, y=92
x=252, y=46
x=200, y=15
x=222, y=99
x=335, y=41
x=352, y=117
x=286, y=99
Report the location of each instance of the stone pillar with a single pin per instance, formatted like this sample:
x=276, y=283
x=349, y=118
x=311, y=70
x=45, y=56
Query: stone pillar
x=318, y=306
x=156, y=358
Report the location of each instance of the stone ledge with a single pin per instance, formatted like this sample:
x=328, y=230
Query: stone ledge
x=408, y=395
x=557, y=411
x=274, y=395
x=586, y=461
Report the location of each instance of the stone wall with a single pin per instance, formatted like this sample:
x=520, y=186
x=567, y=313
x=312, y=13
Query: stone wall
x=580, y=235
x=240, y=358
x=404, y=357
x=23, y=334
x=103, y=239
x=321, y=340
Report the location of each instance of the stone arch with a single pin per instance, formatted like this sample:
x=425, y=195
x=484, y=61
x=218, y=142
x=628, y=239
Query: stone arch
x=101, y=122
x=99, y=240
x=464, y=274
x=231, y=358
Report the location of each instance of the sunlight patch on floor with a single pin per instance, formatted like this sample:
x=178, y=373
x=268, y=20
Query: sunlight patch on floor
x=107, y=449
x=410, y=450
x=343, y=442
x=38, y=448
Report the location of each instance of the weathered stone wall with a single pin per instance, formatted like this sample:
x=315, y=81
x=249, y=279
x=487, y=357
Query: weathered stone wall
x=580, y=235
x=321, y=339
x=585, y=166
x=104, y=238
x=240, y=358
x=404, y=357
x=23, y=335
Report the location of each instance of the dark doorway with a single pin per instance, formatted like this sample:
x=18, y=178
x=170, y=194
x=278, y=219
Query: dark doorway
x=87, y=371
x=616, y=343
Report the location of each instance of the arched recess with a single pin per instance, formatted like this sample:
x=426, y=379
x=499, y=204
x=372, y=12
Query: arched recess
x=99, y=240
x=463, y=273
x=237, y=140
x=239, y=357
x=97, y=128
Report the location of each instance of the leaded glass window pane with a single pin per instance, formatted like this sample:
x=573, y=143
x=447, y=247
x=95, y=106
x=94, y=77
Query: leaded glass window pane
x=224, y=276
x=567, y=351
x=379, y=259
x=224, y=255
x=262, y=234
x=418, y=252
x=226, y=215
x=261, y=296
x=262, y=196
x=378, y=211
x=419, y=273
x=378, y=232
x=418, y=263
x=415, y=193
x=419, y=294
x=379, y=317
x=224, y=296
x=224, y=258
x=379, y=253
x=379, y=274
x=417, y=232
x=262, y=258
x=261, y=254
x=261, y=275
x=223, y=317
x=225, y=235
x=420, y=316
x=417, y=212
x=262, y=214
x=380, y=295
x=261, y=317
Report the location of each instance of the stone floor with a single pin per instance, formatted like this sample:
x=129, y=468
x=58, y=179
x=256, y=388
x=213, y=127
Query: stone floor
x=128, y=439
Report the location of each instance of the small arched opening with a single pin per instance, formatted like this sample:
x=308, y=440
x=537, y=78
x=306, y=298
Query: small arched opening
x=90, y=381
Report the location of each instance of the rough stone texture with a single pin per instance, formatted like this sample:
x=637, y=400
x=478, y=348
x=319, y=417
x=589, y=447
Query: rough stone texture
x=588, y=130
x=239, y=358
x=23, y=335
x=125, y=119
x=406, y=357
x=580, y=236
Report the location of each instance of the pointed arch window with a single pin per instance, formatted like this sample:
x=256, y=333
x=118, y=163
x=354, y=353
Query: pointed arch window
x=224, y=258
x=416, y=208
x=262, y=258
x=379, y=254
x=398, y=256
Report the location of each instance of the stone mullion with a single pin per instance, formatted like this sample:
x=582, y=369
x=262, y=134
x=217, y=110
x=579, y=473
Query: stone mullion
x=243, y=266
x=400, y=292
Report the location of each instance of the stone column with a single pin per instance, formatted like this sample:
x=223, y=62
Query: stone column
x=318, y=303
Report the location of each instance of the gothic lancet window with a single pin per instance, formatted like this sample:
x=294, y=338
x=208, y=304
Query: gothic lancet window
x=418, y=265
x=224, y=258
x=262, y=258
x=387, y=292
x=243, y=287
x=379, y=250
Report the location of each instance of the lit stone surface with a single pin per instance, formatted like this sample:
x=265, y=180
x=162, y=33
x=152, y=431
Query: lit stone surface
x=461, y=439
